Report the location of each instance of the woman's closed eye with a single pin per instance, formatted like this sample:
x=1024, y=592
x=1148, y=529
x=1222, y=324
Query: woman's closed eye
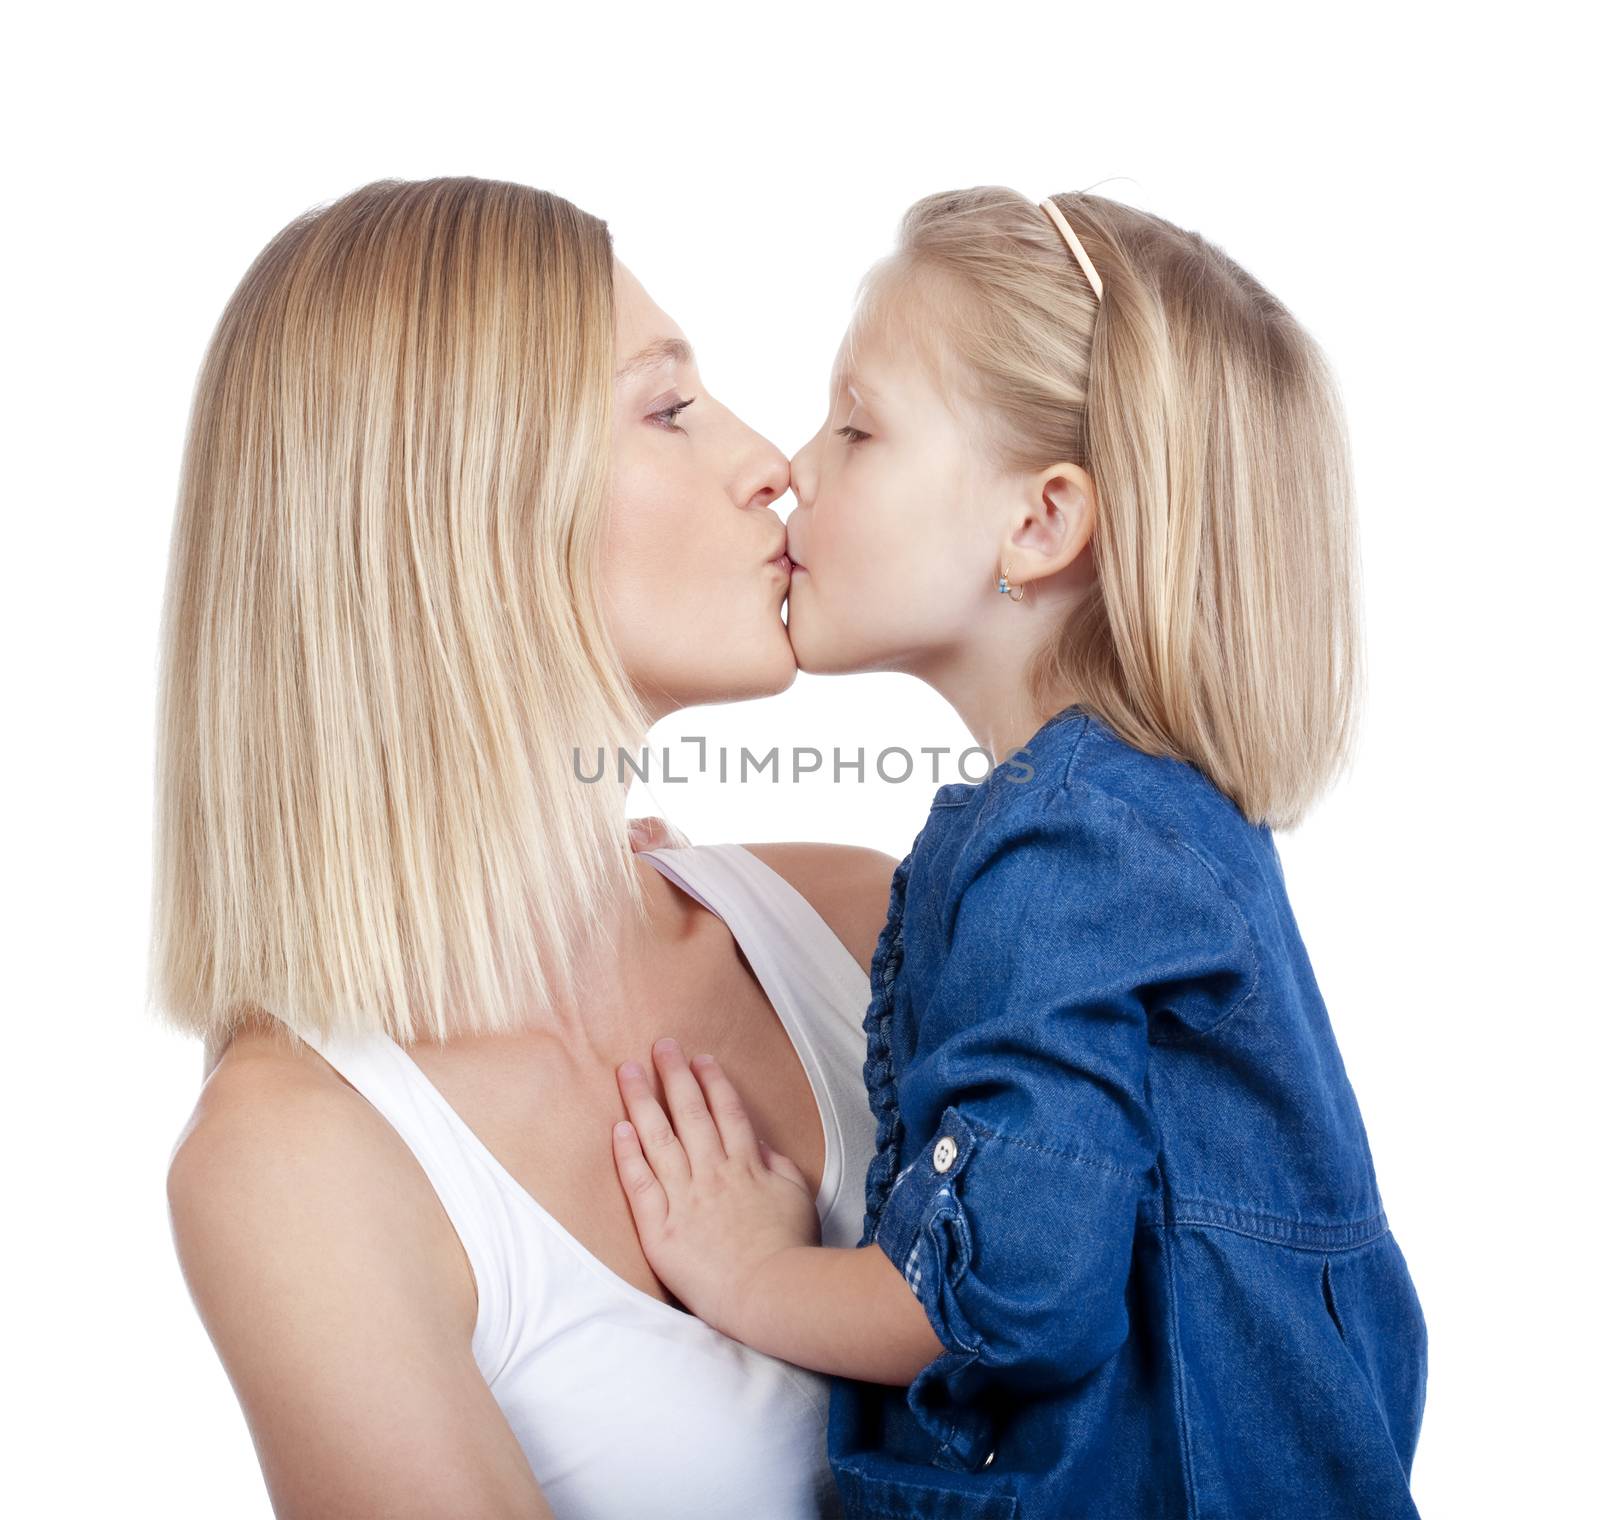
x=852, y=435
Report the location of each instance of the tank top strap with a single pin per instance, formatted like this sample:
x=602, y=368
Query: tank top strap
x=453, y=1160
x=815, y=987
x=800, y=962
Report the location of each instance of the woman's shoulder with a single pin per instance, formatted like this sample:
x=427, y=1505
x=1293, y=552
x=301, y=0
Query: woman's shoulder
x=264, y=1088
x=282, y=1162
x=847, y=884
x=338, y=1298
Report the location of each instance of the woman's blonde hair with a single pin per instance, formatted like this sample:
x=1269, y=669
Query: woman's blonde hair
x=1223, y=625
x=382, y=635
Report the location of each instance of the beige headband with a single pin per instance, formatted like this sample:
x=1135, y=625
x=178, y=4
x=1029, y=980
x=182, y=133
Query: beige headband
x=1090, y=273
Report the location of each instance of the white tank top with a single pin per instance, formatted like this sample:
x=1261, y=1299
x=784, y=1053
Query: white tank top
x=624, y=1405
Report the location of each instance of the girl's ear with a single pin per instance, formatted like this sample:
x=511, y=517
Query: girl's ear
x=1056, y=524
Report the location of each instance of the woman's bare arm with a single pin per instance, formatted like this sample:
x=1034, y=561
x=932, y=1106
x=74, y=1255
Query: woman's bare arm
x=340, y=1302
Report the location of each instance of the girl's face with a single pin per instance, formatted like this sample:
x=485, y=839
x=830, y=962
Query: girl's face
x=692, y=570
x=894, y=546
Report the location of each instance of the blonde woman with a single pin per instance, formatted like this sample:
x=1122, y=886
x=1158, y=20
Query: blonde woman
x=455, y=505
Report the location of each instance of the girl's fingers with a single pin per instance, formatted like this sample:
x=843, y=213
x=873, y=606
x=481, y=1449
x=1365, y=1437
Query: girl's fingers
x=646, y=1197
x=691, y=1118
x=661, y=1148
x=733, y=1123
x=654, y=834
x=647, y=833
x=783, y=1166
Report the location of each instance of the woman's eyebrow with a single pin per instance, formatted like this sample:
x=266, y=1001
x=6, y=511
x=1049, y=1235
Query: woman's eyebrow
x=661, y=351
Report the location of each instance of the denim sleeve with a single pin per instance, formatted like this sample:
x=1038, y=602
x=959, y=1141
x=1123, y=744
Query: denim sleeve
x=1014, y=1224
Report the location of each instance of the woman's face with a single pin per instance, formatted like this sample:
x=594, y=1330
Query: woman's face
x=693, y=575
x=890, y=546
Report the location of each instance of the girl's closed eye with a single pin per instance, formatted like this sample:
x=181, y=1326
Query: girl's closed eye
x=852, y=435
x=668, y=415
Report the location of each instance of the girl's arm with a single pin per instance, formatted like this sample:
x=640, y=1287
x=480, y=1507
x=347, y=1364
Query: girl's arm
x=730, y=1227
x=846, y=1312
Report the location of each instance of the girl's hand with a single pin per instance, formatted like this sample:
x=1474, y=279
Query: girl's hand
x=710, y=1201
x=654, y=833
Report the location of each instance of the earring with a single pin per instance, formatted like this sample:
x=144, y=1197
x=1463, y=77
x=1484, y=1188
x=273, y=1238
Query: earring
x=1005, y=588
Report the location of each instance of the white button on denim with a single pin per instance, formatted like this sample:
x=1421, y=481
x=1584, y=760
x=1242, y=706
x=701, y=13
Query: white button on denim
x=944, y=1154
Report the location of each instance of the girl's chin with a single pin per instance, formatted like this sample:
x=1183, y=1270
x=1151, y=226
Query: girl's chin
x=818, y=654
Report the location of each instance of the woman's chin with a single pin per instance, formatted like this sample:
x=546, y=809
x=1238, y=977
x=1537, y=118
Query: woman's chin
x=763, y=672
x=780, y=674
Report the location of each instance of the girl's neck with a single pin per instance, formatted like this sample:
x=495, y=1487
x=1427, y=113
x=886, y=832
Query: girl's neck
x=995, y=702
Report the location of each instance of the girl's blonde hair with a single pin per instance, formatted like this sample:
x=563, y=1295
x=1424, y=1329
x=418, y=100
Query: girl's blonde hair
x=1223, y=624
x=382, y=635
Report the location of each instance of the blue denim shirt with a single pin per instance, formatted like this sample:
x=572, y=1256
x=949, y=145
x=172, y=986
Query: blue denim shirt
x=1121, y=1166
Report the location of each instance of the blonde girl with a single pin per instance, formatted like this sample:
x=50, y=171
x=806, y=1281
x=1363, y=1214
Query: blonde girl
x=1124, y=1252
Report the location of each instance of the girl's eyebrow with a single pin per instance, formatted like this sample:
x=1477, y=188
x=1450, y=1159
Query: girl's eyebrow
x=852, y=382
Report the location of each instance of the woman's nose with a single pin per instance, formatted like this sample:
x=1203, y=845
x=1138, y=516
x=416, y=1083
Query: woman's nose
x=771, y=478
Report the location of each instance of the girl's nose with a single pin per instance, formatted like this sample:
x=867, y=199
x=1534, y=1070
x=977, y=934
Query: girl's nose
x=801, y=476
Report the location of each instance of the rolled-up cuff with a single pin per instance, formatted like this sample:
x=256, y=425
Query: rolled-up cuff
x=923, y=1230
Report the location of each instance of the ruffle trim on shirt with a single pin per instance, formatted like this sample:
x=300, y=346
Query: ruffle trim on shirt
x=879, y=1066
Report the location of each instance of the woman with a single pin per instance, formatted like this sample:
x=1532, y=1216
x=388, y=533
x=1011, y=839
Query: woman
x=447, y=525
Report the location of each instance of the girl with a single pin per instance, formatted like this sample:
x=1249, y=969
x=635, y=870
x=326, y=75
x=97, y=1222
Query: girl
x=1124, y=1252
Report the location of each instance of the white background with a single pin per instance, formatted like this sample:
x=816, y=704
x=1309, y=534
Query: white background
x=1407, y=178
